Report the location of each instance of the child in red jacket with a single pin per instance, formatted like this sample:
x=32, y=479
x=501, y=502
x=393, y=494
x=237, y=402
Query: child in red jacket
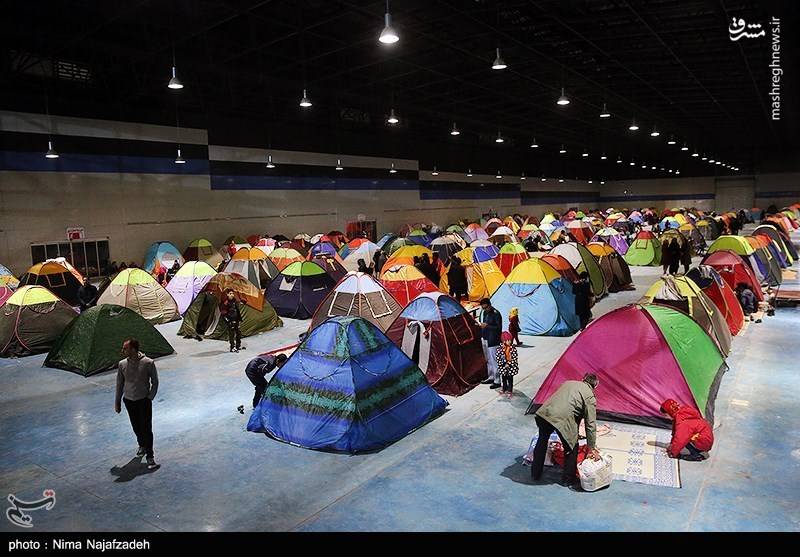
x=692, y=435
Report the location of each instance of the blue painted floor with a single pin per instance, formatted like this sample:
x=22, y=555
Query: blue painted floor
x=460, y=472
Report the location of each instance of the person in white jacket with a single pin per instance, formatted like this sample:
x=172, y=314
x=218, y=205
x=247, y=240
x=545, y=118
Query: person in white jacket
x=137, y=385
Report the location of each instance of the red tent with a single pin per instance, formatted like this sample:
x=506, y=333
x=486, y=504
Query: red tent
x=564, y=267
x=733, y=269
x=444, y=340
x=406, y=282
x=715, y=287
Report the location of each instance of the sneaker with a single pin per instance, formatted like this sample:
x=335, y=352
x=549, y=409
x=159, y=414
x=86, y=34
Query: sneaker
x=487, y=382
x=495, y=386
x=151, y=463
x=141, y=452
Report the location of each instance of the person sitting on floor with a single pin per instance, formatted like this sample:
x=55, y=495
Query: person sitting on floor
x=747, y=299
x=692, y=435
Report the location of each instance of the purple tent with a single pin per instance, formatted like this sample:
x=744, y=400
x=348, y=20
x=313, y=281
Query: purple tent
x=188, y=282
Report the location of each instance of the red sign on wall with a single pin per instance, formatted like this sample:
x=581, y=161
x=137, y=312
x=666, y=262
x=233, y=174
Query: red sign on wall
x=76, y=233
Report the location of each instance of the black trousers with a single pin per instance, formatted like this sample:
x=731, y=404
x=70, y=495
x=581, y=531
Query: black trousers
x=546, y=429
x=508, y=383
x=261, y=386
x=234, y=334
x=140, y=413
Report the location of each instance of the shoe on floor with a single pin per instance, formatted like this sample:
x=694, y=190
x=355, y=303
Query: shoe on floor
x=140, y=452
x=151, y=463
x=487, y=382
x=243, y=348
x=495, y=386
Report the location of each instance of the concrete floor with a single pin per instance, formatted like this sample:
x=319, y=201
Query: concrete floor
x=461, y=472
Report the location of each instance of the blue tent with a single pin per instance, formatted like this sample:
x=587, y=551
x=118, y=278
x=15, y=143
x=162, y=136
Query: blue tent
x=163, y=252
x=323, y=248
x=346, y=388
x=544, y=298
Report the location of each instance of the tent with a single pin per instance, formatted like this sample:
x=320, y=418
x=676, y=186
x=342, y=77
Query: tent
x=243, y=288
x=385, y=239
x=768, y=259
x=331, y=265
x=582, y=260
x=139, y=291
x=253, y=265
x=366, y=251
x=580, y=230
x=563, y=267
x=526, y=230
x=91, y=343
x=299, y=289
x=57, y=277
x=202, y=250
x=642, y=356
x=718, y=291
x=31, y=320
x=396, y=244
x=784, y=243
x=510, y=256
x=545, y=299
x=406, y=282
x=283, y=257
x=613, y=238
x=188, y=282
x=203, y=318
x=616, y=272
x=446, y=246
x=683, y=294
x=352, y=245
x=475, y=232
x=503, y=234
x=405, y=256
x=695, y=237
x=734, y=270
x=7, y=279
x=443, y=340
x=736, y=244
x=419, y=237
x=358, y=295
x=346, y=388
x=323, y=248
x=645, y=250
x=5, y=294
x=483, y=274
x=161, y=255
x=708, y=228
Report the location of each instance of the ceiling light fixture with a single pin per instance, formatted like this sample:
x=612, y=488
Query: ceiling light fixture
x=498, y=175
x=499, y=63
x=305, y=102
x=634, y=126
x=175, y=83
x=270, y=164
x=655, y=132
x=51, y=153
x=685, y=147
x=563, y=100
x=339, y=164
x=671, y=140
x=522, y=176
x=179, y=159
x=632, y=163
x=534, y=144
x=619, y=160
x=499, y=138
x=435, y=172
x=605, y=113
x=560, y=180
x=469, y=172
x=388, y=35
x=392, y=119
x=585, y=153
x=695, y=154
x=543, y=179
x=704, y=157
x=562, y=150
x=392, y=169
x=603, y=157
x=454, y=131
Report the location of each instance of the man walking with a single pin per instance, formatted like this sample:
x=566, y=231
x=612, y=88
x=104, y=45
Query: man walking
x=137, y=385
x=491, y=328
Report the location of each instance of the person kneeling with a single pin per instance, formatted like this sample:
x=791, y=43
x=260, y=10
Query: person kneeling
x=692, y=435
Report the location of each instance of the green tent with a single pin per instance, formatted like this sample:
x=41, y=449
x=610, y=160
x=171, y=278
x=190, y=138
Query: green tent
x=93, y=341
x=645, y=250
x=203, y=319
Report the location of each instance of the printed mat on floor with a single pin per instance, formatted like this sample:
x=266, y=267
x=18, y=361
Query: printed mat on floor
x=639, y=453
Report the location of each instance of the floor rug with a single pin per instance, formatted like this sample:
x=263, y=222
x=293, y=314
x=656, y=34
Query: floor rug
x=639, y=454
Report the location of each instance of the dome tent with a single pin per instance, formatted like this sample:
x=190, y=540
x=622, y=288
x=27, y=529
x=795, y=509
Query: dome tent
x=682, y=293
x=359, y=295
x=91, y=342
x=645, y=250
x=615, y=269
x=734, y=270
x=254, y=265
x=718, y=291
x=438, y=334
x=7, y=279
x=139, y=291
x=484, y=277
x=544, y=298
x=31, y=320
x=582, y=260
x=642, y=355
x=203, y=250
x=188, y=282
x=405, y=283
x=299, y=289
x=161, y=255
x=58, y=276
x=203, y=317
x=346, y=388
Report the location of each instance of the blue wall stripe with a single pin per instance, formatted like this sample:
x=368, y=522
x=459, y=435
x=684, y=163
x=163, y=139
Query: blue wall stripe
x=308, y=183
x=468, y=194
x=671, y=197
x=72, y=162
x=768, y=194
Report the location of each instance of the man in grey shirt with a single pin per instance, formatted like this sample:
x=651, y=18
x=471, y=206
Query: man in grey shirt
x=137, y=385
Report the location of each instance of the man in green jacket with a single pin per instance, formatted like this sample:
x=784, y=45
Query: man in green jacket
x=562, y=412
